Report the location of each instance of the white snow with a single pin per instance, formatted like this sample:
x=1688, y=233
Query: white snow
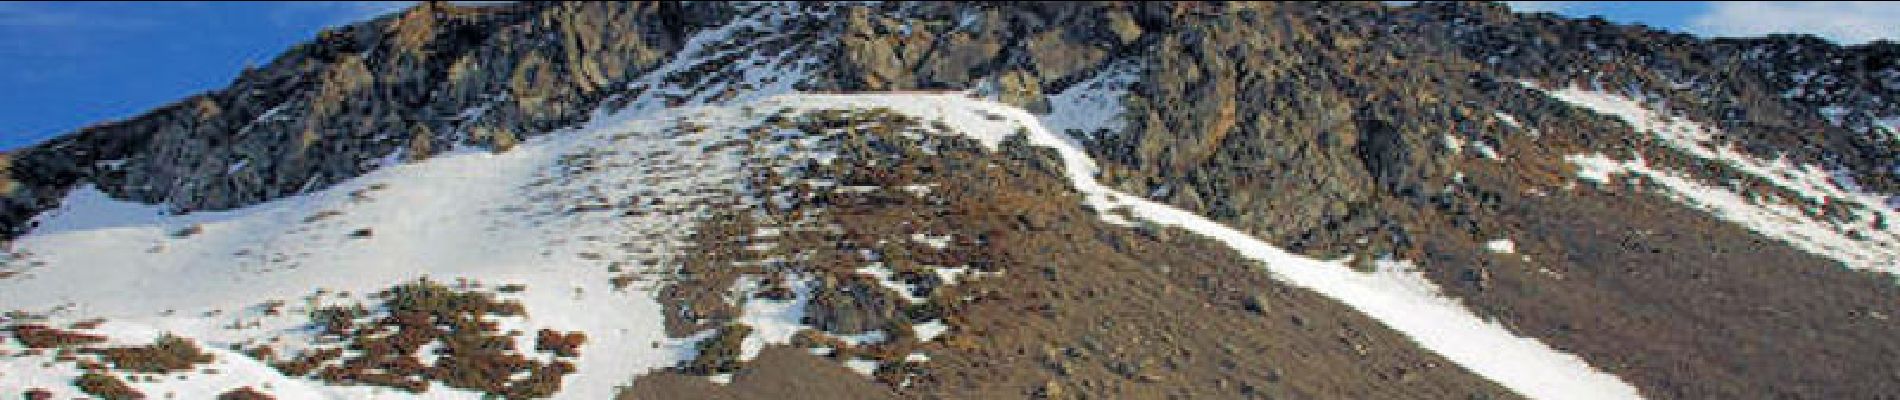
x=228, y=370
x=1454, y=143
x=928, y=331
x=498, y=218
x=1092, y=107
x=1772, y=219
x=934, y=241
x=917, y=190
x=1485, y=150
x=1501, y=246
x=1833, y=114
x=1857, y=242
x=1892, y=125
x=1396, y=296
x=866, y=338
x=512, y=218
x=1508, y=119
x=772, y=321
x=862, y=366
x=951, y=275
x=888, y=280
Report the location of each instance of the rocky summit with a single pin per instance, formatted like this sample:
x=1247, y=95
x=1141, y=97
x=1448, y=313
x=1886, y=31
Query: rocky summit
x=1063, y=200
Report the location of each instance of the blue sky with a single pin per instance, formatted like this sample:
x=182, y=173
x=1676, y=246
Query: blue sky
x=64, y=65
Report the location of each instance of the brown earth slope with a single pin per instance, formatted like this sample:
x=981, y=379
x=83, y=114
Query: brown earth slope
x=1077, y=308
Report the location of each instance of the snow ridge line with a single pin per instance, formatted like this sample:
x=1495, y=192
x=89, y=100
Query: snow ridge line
x=1395, y=294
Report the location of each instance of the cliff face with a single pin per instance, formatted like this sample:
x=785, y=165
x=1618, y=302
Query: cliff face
x=358, y=97
x=1218, y=83
x=1551, y=173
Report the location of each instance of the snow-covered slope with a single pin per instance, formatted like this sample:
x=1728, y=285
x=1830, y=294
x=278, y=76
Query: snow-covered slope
x=564, y=215
x=1828, y=215
x=520, y=217
x=523, y=217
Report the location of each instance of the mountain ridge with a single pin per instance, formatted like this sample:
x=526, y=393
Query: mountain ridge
x=1616, y=193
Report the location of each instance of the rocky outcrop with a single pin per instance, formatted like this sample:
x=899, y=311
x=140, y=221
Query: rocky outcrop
x=358, y=97
x=1298, y=84
x=852, y=306
x=1333, y=129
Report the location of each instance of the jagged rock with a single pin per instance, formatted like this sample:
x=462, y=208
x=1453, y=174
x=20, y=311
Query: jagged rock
x=323, y=111
x=852, y=306
x=1318, y=126
x=1021, y=89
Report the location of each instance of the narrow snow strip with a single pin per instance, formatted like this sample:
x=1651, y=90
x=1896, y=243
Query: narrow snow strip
x=1779, y=221
x=1861, y=241
x=1394, y=295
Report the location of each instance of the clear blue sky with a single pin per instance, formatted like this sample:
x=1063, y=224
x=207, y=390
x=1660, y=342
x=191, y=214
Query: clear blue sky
x=64, y=65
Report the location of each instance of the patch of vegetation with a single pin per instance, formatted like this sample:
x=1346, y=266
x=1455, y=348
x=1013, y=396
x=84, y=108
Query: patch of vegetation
x=720, y=353
x=38, y=394
x=472, y=352
x=561, y=344
x=244, y=393
x=336, y=320
x=44, y=337
x=106, y=387
x=306, y=362
x=167, y=354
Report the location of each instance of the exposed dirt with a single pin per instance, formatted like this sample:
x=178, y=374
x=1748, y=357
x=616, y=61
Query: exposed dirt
x=1679, y=303
x=1076, y=309
x=780, y=372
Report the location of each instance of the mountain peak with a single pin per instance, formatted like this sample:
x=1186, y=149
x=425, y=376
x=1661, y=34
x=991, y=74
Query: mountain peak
x=865, y=200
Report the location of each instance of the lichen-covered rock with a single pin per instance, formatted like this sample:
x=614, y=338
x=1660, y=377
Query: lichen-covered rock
x=852, y=306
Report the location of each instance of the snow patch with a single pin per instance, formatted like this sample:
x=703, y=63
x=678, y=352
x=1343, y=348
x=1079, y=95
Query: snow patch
x=934, y=241
x=928, y=331
x=1857, y=239
x=888, y=280
x=1093, y=107
x=1501, y=246
x=772, y=321
x=862, y=366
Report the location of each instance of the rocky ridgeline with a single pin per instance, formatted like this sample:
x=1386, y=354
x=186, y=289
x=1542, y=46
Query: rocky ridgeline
x=399, y=87
x=1346, y=99
x=1332, y=129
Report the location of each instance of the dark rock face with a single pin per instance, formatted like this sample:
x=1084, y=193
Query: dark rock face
x=1311, y=89
x=401, y=86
